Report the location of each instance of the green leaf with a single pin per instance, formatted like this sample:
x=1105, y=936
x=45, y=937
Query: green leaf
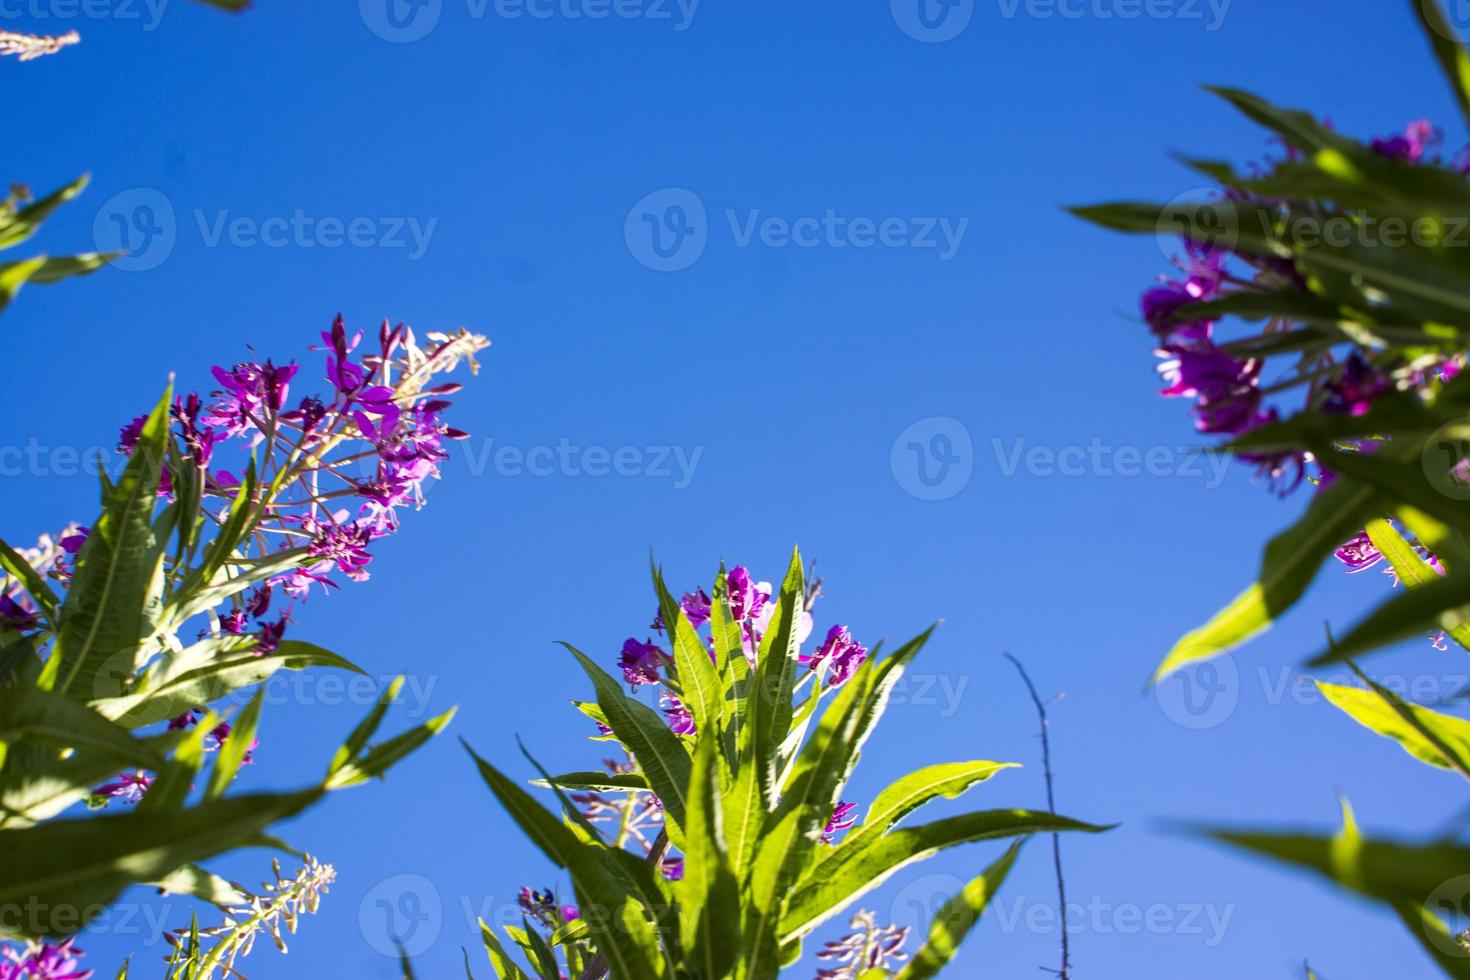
x=849, y=872
x=505, y=968
x=235, y=747
x=13, y=563
x=1429, y=929
x=1443, y=604
x=773, y=685
x=108, y=609
x=624, y=932
x=358, y=739
x=946, y=780
x=595, y=780
x=1447, y=744
x=21, y=225
x=380, y=758
x=699, y=682
x=1449, y=52
x=709, y=894
x=42, y=714
x=43, y=270
x=958, y=916
x=191, y=879
x=659, y=752
x=68, y=871
x=1411, y=569
x=1287, y=568
x=208, y=670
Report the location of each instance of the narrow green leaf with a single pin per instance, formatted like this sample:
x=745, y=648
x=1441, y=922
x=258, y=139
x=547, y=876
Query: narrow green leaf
x=106, y=614
x=849, y=872
x=1290, y=563
x=709, y=895
x=957, y=917
x=624, y=932
x=1381, y=711
x=1448, y=50
x=71, y=870
x=505, y=968
x=236, y=746
x=659, y=752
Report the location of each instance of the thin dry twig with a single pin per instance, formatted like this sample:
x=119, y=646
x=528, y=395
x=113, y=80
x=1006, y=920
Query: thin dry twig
x=29, y=46
x=1056, y=839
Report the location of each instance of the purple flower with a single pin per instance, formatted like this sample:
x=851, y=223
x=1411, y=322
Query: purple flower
x=840, y=820
x=1353, y=391
x=696, y=606
x=14, y=615
x=1359, y=553
x=128, y=787
x=570, y=913
x=1227, y=389
x=641, y=662
x=681, y=722
x=840, y=655
x=672, y=868
x=1409, y=147
x=43, y=961
x=127, y=439
x=342, y=543
x=747, y=598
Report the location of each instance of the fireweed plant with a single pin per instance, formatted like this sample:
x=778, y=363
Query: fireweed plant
x=124, y=643
x=717, y=839
x=1318, y=321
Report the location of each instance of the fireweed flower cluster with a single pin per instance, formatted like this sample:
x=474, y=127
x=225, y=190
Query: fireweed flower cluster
x=867, y=947
x=296, y=489
x=43, y=961
x=1227, y=378
x=332, y=472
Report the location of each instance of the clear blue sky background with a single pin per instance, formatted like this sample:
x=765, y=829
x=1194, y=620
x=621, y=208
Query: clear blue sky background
x=792, y=371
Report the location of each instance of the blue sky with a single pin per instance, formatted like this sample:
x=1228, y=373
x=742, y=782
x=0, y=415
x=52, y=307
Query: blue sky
x=860, y=249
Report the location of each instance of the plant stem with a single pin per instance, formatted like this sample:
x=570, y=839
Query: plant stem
x=1056, y=839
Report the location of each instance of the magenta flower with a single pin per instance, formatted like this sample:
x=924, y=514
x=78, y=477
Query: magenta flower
x=1353, y=391
x=672, y=868
x=128, y=786
x=1409, y=147
x=681, y=722
x=345, y=544
x=44, y=961
x=839, y=655
x=1359, y=554
x=747, y=598
x=1227, y=390
x=841, y=820
x=641, y=662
